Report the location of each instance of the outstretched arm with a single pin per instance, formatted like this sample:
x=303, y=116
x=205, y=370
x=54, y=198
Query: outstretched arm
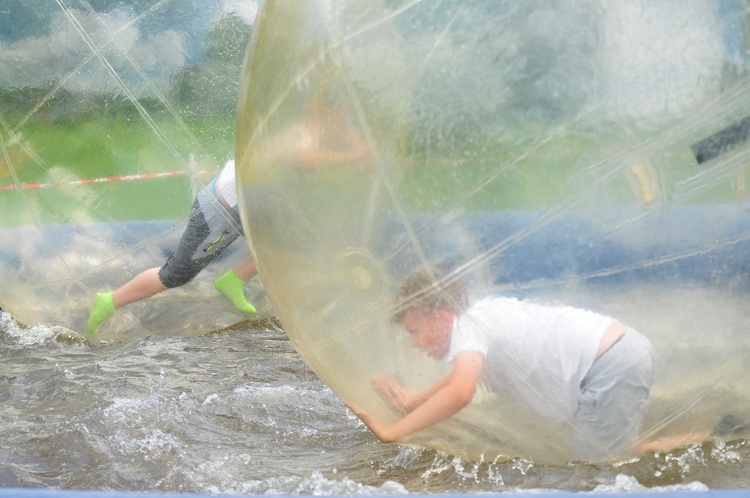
x=447, y=400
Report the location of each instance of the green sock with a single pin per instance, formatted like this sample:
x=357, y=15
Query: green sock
x=102, y=308
x=231, y=285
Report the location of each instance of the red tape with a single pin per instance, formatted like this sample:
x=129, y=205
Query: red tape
x=107, y=179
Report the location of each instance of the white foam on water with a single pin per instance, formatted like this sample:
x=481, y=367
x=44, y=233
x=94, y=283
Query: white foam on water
x=134, y=431
x=35, y=334
x=319, y=485
x=628, y=484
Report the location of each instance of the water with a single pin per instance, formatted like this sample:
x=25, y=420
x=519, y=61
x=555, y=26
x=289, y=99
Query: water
x=239, y=412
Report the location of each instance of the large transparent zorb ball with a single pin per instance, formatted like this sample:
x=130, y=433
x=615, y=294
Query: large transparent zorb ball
x=113, y=117
x=591, y=154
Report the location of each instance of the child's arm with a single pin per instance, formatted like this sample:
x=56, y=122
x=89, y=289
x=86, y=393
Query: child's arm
x=401, y=398
x=444, y=403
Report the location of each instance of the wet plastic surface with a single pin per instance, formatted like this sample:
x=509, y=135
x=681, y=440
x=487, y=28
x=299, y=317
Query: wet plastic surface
x=537, y=151
x=114, y=116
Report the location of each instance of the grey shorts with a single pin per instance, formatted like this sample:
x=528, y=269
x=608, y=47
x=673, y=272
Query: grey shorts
x=613, y=398
x=210, y=229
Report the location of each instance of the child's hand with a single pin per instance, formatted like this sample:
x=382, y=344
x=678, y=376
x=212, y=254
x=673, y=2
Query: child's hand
x=400, y=398
x=380, y=430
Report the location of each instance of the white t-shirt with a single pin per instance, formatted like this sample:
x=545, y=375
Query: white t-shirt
x=534, y=353
x=225, y=184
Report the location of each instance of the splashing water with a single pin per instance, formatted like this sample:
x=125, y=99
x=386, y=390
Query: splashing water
x=239, y=412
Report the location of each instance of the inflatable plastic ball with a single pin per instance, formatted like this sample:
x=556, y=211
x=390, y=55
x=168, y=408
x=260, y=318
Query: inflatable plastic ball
x=587, y=156
x=114, y=115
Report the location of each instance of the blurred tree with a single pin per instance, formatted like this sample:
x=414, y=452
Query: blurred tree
x=209, y=88
x=227, y=40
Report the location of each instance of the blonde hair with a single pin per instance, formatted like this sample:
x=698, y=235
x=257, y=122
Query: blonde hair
x=428, y=291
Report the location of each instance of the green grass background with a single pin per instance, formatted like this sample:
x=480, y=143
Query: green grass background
x=517, y=174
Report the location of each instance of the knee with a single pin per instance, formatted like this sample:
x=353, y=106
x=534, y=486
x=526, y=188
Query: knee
x=172, y=279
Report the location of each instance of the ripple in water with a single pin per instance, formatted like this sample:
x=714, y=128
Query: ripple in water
x=239, y=412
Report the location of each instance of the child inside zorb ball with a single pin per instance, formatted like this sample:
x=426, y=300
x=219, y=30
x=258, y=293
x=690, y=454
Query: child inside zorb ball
x=213, y=225
x=562, y=362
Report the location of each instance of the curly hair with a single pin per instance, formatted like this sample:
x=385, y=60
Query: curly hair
x=429, y=290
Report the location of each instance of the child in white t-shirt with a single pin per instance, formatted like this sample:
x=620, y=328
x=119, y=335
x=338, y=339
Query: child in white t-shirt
x=562, y=362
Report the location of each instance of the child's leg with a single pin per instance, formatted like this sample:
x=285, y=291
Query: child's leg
x=246, y=269
x=143, y=286
x=613, y=399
